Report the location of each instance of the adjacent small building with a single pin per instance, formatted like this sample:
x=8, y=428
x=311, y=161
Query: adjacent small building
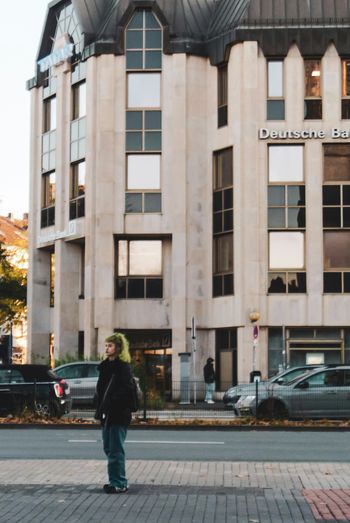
x=14, y=240
x=190, y=159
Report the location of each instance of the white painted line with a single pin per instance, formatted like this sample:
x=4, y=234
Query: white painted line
x=166, y=442
x=82, y=441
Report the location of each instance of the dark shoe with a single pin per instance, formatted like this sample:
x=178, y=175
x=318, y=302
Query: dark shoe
x=109, y=489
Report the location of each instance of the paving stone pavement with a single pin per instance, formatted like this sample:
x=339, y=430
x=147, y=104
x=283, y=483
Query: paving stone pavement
x=45, y=491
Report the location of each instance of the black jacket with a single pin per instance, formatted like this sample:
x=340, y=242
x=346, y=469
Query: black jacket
x=114, y=408
x=209, y=373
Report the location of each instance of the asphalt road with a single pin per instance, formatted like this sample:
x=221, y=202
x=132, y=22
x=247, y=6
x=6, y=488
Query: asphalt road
x=176, y=445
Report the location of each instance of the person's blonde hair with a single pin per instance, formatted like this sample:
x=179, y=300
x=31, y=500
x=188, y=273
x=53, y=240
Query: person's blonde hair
x=119, y=339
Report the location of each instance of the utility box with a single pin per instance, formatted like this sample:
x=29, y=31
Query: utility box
x=184, y=377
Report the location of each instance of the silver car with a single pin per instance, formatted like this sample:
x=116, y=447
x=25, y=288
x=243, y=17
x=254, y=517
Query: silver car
x=233, y=394
x=322, y=393
x=81, y=377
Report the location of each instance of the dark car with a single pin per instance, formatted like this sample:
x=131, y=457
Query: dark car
x=34, y=387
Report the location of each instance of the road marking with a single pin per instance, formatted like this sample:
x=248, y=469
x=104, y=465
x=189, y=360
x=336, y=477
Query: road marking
x=176, y=442
x=82, y=441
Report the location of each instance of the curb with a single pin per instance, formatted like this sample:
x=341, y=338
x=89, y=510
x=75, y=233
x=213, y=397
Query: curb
x=213, y=428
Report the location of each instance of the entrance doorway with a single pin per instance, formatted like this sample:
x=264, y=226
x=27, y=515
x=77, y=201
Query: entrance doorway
x=151, y=353
x=157, y=369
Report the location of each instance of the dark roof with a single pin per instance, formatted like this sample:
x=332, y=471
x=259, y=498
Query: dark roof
x=210, y=27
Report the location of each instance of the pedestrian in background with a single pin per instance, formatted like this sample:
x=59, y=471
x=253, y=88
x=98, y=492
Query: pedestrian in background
x=209, y=378
x=114, y=406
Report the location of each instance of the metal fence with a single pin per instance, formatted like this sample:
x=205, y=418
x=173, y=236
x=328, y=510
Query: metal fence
x=157, y=400
x=259, y=399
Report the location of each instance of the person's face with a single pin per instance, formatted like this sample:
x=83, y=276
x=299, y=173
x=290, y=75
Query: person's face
x=111, y=349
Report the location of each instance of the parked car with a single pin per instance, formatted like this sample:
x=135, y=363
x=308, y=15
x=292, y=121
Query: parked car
x=34, y=387
x=322, y=393
x=82, y=377
x=233, y=394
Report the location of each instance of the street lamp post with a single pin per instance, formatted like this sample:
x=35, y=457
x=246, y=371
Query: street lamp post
x=194, y=349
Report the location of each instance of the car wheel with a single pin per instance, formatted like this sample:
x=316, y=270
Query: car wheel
x=46, y=409
x=272, y=409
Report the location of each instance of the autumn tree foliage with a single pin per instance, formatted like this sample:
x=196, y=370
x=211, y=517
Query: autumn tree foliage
x=13, y=289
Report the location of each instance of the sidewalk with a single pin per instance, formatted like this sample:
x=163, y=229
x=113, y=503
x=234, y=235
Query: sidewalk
x=168, y=491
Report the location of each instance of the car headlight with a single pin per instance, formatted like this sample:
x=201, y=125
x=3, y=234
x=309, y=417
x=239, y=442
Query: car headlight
x=245, y=400
x=231, y=393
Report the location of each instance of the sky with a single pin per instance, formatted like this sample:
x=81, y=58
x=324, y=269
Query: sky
x=21, y=24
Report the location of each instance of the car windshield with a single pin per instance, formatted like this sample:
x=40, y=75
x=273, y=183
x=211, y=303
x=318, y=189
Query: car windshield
x=296, y=378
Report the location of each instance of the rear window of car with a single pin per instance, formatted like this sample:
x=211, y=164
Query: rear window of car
x=93, y=370
x=10, y=376
x=71, y=372
x=37, y=373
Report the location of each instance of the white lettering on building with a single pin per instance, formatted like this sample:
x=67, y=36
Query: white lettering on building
x=302, y=134
x=57, y=57
x=57, y=235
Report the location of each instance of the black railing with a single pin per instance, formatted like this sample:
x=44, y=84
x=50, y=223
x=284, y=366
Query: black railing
x=262, y=400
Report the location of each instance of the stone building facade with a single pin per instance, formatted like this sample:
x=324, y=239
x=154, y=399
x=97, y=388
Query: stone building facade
x=191, y=159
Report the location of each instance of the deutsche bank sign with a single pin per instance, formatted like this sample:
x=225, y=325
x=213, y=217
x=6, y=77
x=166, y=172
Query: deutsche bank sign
x=302, y=134
x=57, y=57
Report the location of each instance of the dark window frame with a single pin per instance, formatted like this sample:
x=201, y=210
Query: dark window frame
x=223, y=281
x=126, y=285
x=222, y=86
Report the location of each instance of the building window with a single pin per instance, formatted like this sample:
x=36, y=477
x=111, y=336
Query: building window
x=286, y=210
x=276, y=352
x=223, y=223
x=222, y=95
x=49, y=84
x=143, y=90
x=336, y=218
x=52, y=279
x=48, y=151
x=286, y=263
x=286, y=206
x=286, y=163
x=275, y=90
x=49, y=114
x=336, y=162
x=78, y=100
x=143, y=131
x=143, y=44
x=139, y=269
x=345, y=103
x=336, y=206
x=226, y=358
x=77, y=191
x=143, y=41
x=143, y=183
x=313, y=99
x=77, y=136
x=48, y=197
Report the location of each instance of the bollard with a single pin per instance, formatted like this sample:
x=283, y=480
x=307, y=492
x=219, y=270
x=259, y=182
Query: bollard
x=144, y=403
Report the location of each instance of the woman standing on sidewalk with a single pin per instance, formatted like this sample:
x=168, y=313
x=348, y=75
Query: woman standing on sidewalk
x=114, y=406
